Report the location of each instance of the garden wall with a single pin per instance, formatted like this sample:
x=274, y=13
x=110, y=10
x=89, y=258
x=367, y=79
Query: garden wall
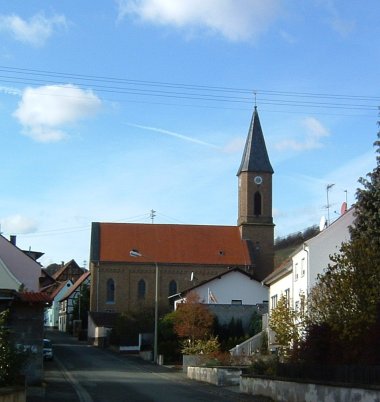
x=289, y=391
x=12, y=394
x=221, y=376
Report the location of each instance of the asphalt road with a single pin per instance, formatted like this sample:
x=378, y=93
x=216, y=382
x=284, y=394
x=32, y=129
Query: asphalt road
x=83, y=373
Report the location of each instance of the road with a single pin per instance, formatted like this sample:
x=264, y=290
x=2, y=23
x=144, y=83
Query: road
x=82, y=373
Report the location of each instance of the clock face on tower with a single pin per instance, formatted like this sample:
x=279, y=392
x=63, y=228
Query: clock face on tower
x=258, y=179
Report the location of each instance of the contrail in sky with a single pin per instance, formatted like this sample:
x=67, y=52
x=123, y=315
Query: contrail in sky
x=173, y=134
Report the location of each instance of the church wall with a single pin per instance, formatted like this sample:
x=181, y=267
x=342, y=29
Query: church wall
x=126, y=278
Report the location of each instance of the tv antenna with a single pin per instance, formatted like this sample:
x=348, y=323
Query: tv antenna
x=152, y=215
x=328, y=188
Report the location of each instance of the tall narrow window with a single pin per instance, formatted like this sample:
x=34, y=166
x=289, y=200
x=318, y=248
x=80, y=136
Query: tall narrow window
x=110, y=291
x=141, y=289
x=274, y=301
x=172, y=287
x=257, y=204
x=172, y=291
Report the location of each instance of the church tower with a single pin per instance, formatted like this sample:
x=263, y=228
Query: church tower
x=255, y=218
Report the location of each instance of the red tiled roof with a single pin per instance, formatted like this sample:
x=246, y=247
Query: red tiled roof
x=176, y=244
x=34, y=297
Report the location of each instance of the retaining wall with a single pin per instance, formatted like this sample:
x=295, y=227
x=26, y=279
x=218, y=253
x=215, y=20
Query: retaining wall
x=13, y=394
x=220, y=376
x=289, y=391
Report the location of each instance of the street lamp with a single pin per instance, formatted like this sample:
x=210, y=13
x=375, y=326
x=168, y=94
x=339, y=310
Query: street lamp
x=136, y=254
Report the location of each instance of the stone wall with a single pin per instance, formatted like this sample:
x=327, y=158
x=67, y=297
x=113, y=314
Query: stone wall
x=13, y=394
x=288, y=391
x=220, y=376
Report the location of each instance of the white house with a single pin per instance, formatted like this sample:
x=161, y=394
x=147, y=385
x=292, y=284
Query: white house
x=17, y=270
x=52, y=313
x=296, y=277
x=234, y=286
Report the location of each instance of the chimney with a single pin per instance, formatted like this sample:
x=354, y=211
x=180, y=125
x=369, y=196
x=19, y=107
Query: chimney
x=12, y=239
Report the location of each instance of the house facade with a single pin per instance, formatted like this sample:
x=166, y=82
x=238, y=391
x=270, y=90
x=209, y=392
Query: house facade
x=297, y=276
x=52, y=312
x=121, y=282
x=17, y=269
x=66, y=303
x=233, y=286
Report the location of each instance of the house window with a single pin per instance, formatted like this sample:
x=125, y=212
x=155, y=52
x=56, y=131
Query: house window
x=110, y=290
x=287, y=296
x=303, y=267
x=296, y=273
x=141, y=289
x=257, y=204
x=273, y=301
x=239, y=302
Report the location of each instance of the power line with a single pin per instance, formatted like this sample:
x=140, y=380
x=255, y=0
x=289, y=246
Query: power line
x=181, y=91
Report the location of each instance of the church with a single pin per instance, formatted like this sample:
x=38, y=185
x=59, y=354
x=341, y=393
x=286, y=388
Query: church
x=129, y=260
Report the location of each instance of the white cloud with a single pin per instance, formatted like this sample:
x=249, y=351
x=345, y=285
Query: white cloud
x=18, y=224
x=235, y=145
x=337, y=22
x=237, y=20
x=43, y=110
x=314, y=131
x=34, y=32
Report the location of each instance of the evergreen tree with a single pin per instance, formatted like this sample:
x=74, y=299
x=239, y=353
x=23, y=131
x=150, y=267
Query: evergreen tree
x=367, y=207
x=346, y=297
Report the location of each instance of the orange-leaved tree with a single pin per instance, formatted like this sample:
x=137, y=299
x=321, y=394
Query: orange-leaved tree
x=193, y=320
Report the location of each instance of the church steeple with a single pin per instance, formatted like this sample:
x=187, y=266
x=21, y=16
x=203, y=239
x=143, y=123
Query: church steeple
x=255, y=156
x=255, y=218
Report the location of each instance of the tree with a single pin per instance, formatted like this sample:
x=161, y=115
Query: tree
x=346, y=297
x=193, y=320
x=284, y=322
x=367, y=207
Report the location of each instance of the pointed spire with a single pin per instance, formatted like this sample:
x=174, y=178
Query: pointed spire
x=255, y=156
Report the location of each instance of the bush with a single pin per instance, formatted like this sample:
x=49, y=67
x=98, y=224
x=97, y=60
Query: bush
x=201, y=347
x=266, y=366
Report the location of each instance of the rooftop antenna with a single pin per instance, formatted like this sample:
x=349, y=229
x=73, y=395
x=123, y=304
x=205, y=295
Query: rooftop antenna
x=255, y=94
x=152, y=215
x=328, y=187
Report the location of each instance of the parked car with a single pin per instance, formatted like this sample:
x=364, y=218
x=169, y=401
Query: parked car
x=47, y=350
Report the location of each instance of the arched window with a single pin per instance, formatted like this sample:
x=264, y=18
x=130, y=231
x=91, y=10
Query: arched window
x=110, y=291
x=141, y=289
x=257, y=204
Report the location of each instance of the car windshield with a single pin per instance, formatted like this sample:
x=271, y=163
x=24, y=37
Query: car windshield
x=47, y=343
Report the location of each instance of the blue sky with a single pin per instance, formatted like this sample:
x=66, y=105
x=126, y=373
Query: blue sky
x=109, y=111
